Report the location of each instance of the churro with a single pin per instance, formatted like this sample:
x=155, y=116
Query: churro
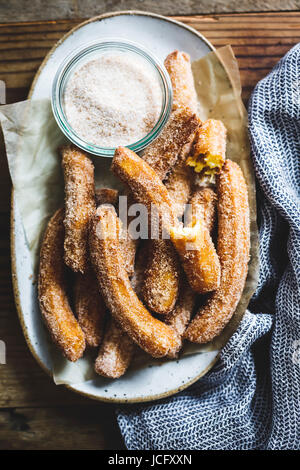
x=79, y=205
x=198, y=256
x=52, y=291
x=106, y=196
x=193, y=244
x=116, y=348
x=153, y=336
x=179, y=185
x=178, y=65
x=203, y=205
x=89, y=307
x=115, y=352
x=128, y=243
x=162, y=275
x=233, y=250
x=137, y=280
x=163, y=152
x=145, y=185
x=161, y=278
x=180, y=316
x=209, y=147
x=199, y=260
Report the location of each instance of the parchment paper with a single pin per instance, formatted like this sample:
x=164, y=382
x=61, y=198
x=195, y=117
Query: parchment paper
x=32, y=138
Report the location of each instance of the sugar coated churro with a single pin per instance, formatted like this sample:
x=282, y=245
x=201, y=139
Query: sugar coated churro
x=233, y=250
x=200, y=260
x=179, y=185
x=106, y=196
x=164, y=151
x=178, y=64
x=208, y=151
x=150, y=334
x=52, y=290
x=79, y=205
x=89, y=305
x=115, y=353
x=161, y=277
x=90, y=308
x=128, y=243
x=116, y=348
x=180, y=316
x=202, y=264
x=203, y=205
x=198, y=256
x=137, y=280
x=145, y=184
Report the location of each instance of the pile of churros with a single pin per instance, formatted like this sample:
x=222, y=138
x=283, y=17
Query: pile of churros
x=102, y=287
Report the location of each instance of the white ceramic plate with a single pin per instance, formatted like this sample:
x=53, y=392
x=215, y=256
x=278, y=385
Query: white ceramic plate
x=161, y=36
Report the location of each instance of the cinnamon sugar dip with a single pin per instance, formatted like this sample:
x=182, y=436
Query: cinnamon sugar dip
x=114, y=99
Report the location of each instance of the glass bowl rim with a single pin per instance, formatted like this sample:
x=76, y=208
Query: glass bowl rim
x=105, y=43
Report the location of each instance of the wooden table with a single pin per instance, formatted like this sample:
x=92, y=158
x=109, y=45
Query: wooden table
x=34, y=413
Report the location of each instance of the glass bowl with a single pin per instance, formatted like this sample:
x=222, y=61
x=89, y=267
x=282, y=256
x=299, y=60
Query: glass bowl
x=91, y=51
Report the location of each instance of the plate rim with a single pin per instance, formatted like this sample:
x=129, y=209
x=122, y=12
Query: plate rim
x=16, y=291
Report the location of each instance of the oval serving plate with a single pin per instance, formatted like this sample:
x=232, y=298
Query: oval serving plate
x=161, y=35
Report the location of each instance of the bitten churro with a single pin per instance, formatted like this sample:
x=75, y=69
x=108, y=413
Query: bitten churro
x=179, y=185
x=79, y=205
x=52, y=290
x=115, y=352
x=208, y=151
x=233, y=250
x=153, y=336
x=202, y=205
x=180, y=317
x=162, y=274
x=128, y=243
x=178, y=65
x=90, y=308
x=193, y=244
x=145, y=185
x=161, y=281
x=163, y=152
x=198, y=256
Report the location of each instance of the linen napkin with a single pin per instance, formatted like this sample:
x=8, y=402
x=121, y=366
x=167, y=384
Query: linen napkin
x=250, y=399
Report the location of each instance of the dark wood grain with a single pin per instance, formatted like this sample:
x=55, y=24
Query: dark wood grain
x=60, y=428
x=25, y=10
x=34, y=413
x=257, y=40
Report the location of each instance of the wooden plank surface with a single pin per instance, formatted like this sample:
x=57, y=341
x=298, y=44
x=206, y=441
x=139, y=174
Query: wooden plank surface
x=34, y=413
x=61, y=428
x=32, y=10
x=257, y=40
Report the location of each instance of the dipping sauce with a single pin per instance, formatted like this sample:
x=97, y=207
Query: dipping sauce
x=112, y=100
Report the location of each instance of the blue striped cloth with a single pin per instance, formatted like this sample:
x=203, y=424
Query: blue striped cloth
x=251, y=398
